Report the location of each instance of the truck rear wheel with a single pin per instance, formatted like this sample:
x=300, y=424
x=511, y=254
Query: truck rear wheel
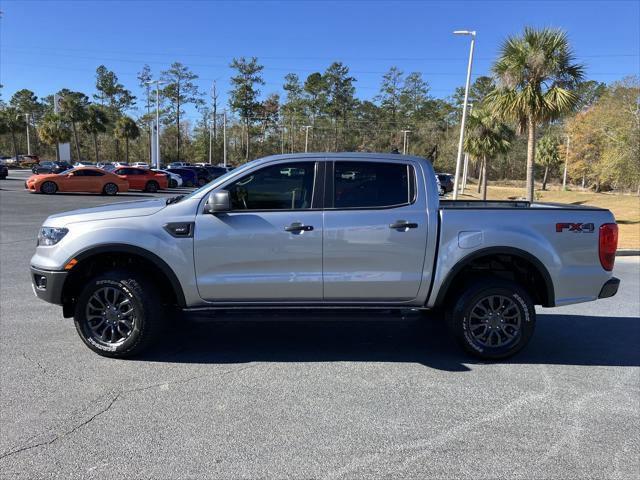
x=119, y=314
x=492, y=318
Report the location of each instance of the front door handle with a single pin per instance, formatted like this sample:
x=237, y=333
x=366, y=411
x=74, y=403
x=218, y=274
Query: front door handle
x=298, y=227
x=403, y=224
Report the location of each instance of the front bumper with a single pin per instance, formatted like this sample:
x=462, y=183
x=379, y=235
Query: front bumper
x=610, y=288
x=47, y=284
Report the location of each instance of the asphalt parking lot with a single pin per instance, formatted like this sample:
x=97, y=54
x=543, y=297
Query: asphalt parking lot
x=298, y=397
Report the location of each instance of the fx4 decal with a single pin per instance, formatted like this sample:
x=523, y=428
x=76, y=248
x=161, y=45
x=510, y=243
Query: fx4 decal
x=575, y=227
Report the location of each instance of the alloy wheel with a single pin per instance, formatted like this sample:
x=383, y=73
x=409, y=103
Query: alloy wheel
x=110, y=315
x=495, y=321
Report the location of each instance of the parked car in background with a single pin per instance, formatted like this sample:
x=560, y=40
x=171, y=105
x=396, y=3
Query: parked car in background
x=104, y=164
x=82, y=163
x=4, y=171
x=179, y=164
x=143, y=179
x=446, y=180
x=189, y=177
x=77, y=179
x=441, y=191
x=140, y=165
x=202, y=174
x=215, y=172
x=29, y=159
x=175, y=180
x=120, y=164
x=50, y=167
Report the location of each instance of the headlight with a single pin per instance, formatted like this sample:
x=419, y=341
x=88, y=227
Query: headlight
x=50, y=235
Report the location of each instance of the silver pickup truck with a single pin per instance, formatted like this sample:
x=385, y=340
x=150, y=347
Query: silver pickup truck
x=344, y=230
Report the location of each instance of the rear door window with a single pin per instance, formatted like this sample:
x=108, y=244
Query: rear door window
x=372, y=184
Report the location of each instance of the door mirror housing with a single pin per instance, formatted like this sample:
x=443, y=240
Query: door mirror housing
x=217, y=202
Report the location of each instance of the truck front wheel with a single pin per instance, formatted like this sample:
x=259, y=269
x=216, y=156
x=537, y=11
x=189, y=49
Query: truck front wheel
x=492, y=318
x=118, y=314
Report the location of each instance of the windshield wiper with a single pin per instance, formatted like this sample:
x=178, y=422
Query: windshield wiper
x=175, y=199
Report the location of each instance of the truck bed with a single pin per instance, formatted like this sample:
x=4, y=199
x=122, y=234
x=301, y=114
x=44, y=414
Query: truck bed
x=510, y=204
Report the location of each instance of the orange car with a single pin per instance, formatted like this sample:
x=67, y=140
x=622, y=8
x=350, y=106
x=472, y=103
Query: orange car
x=143, y=178
x=81, y=179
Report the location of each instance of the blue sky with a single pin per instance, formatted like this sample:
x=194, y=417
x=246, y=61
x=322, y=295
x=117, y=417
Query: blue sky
x=45, y=46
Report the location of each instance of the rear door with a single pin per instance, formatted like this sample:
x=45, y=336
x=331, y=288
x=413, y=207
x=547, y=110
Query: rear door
x=375, y=231
x=268, y=248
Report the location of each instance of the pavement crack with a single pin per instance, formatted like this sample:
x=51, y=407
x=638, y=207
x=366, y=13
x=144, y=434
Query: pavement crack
x=71, y=431
x=190, y=379
x=35, y=362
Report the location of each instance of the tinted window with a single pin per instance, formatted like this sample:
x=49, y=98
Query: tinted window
x=93, y=173
x=370, y=184
x=285, y=186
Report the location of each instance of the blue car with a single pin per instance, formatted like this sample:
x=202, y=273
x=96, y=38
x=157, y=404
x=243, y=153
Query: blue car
x=189, y=177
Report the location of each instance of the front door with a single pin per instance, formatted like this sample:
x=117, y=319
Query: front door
x=268, y=248
x=375, y=232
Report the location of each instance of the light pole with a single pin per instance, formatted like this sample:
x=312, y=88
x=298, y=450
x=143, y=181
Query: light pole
x=472, y=34
x=158, y=83
x=405, y=143
x=465, y=170
x=224, y=138
x=26, y=120
x=306, y=137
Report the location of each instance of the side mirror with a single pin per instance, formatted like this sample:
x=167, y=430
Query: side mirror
x=219, y=201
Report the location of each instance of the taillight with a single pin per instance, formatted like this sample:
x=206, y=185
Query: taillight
x=608, y=245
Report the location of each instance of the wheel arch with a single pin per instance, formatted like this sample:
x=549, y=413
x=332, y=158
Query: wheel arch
x=115, y=253
x=540, y=281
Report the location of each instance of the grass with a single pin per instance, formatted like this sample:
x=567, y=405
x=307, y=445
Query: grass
x=626, y=208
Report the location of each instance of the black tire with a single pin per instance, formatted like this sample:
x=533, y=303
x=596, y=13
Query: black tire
x=188, y=184
x=492, y=318
x=173, y=183
x=122, y=336
x=151, y=187
x=48, y=188
x=110, y=189
x=202, y=182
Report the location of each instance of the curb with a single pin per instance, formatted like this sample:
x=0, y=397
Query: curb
x=627, y=253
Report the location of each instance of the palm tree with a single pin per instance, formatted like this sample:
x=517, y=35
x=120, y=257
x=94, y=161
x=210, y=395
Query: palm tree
x=95, y=123
x=537, y=80
x=53, y=131
x=73, y=108
x=547, y=155
x=486, y=137
x=11, y=122
x=127, y=129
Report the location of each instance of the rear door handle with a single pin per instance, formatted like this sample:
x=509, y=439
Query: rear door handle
x=403, y=224
x=298, y=227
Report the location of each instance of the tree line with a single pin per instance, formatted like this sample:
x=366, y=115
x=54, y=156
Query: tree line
x=536, y=96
